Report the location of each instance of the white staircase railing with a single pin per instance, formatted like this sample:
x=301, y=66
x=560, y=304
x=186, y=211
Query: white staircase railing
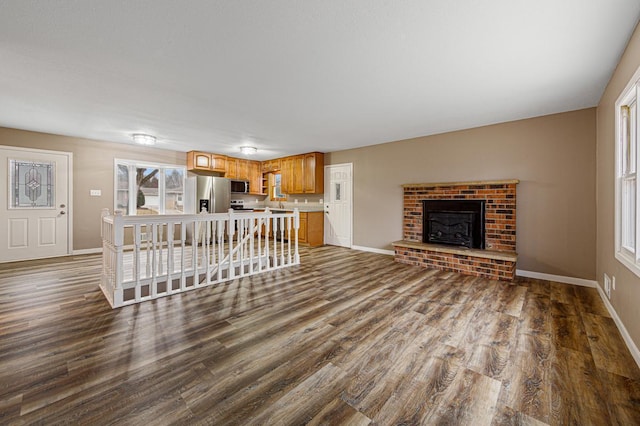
x=152, y=256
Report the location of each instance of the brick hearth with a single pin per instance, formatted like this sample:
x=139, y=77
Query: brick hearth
x=496, y=262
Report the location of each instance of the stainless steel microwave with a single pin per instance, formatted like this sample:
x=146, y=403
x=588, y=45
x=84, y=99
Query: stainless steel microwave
x=240, y=186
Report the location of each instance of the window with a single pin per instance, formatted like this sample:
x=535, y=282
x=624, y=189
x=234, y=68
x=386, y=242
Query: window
x=276, y=188
x=627, y=199
x=143, y=188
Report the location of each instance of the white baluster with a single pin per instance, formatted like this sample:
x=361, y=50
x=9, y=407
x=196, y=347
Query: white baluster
x=296, y=256
x=231, y=231
x=154, y=260
x=183, y=239
x=220, y=225
x=281, y=219
x=170, y=259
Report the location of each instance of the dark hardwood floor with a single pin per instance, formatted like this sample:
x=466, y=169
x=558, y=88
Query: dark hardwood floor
x=347, y=337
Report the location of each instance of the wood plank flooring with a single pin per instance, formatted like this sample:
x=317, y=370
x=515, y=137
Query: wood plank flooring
x=347, y=337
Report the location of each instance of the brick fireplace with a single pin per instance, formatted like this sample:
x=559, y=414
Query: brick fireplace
x=497, y=258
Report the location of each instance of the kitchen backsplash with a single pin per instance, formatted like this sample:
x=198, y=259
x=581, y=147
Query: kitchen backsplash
x=253, y=201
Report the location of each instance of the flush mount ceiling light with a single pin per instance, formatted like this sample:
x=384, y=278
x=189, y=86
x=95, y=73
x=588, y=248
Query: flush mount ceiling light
x=248, y=150
x=142, y=139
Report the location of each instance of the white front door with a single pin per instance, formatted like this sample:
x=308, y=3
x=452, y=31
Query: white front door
x=34, y=211
x=338, y=184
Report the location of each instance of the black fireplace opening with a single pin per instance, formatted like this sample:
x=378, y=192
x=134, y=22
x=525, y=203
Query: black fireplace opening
x=453, y=222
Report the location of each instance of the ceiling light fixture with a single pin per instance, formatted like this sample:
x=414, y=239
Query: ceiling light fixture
x=142, y=139
x=248, y=150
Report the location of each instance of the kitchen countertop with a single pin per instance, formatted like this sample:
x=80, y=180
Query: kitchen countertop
x=301, y=208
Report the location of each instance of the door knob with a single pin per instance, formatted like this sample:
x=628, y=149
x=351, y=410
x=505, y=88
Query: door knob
x=62, y=213
x=62, y=206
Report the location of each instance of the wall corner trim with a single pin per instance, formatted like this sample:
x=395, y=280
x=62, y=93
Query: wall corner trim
x=635, y=353
x=373, y=250
x=87, y=251
x=557, y=278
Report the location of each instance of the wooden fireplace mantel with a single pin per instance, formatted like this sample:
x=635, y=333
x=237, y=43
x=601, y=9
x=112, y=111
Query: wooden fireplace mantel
x=471, y=183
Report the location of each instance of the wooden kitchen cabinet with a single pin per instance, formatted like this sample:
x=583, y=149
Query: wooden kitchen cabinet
x=286, y=175
x=297, y=173
x=243, y=169
x=232, y=168
x=292, y=174
x=311, y=228
x=302, y=231
x=311, y=231
x=206, y=162
x=303, y=174
x=255, y=178
x=271, y=166
x=313, y=173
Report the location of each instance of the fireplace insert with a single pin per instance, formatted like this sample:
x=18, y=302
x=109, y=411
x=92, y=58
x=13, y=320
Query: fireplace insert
x=453, y=222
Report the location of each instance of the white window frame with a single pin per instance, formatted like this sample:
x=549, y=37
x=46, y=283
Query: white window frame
x=627, y=158
x=132, y=165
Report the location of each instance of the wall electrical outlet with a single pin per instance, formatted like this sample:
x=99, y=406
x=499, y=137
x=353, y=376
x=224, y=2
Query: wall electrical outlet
x=607, y=286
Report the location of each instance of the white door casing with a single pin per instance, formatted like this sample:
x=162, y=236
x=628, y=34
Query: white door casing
x=35, y=220
x=338, y=205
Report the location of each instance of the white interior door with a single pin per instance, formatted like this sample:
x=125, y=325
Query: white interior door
x=34, y=211
x=338, y=185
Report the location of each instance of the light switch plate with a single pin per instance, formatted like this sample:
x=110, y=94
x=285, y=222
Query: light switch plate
x=95, y=192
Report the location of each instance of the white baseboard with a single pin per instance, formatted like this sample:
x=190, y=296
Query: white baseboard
x=558, y=278
x=373, y=250
x=623, y=331
x=88, y=251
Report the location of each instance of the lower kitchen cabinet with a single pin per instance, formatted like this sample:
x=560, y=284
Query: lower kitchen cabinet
x=311, y=230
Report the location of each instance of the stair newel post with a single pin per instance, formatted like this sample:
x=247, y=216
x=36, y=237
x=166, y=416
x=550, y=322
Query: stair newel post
x=118, y=243
x=296, y=222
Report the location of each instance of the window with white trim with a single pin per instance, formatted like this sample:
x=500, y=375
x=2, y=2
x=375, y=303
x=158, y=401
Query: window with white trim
x=148, y=188
x=627, y=197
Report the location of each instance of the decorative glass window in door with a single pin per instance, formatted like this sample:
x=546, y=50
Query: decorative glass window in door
x=31, y=184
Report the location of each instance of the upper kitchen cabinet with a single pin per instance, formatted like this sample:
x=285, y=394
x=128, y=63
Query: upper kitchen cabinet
x=303, y=174
x=243, y=169
x=313, y=172
x=255, y=178
x=205, y=162
x=271, y=165
x=232, y=168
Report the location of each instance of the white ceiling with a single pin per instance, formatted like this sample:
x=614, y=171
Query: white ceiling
x=291, y=76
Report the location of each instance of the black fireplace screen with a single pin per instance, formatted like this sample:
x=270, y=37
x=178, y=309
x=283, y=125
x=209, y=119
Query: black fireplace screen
x=454, y=222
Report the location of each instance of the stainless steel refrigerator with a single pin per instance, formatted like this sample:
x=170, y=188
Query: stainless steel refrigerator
x=213, y=194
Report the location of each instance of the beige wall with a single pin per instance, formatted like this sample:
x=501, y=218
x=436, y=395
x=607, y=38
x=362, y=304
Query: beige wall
x=553, y=156
x=626, y=298
x=93, y=164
